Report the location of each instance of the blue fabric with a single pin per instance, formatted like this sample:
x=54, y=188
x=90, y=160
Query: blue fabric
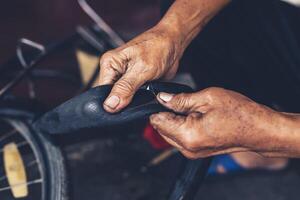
x=227, y=162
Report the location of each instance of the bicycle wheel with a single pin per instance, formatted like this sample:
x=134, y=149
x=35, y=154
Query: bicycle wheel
x=41, y=160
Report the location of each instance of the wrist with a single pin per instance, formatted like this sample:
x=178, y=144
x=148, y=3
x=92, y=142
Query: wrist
x=290, y=134
x=186, y=18
x=284, y=134
x=170, y=26
x=172, y=34
x=175, y=30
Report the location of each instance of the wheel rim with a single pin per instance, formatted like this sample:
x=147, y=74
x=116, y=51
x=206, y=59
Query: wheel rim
x=16, y=132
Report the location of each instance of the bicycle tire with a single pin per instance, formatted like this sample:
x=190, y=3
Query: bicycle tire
x=49, y=155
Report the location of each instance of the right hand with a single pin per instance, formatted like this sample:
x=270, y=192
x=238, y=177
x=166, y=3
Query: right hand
x=152, y=55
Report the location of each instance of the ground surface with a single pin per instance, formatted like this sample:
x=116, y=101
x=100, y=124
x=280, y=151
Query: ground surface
x=111, y=170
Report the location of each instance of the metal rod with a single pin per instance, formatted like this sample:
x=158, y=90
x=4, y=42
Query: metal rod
x=101, y=23
x=30, y=43
x=34, y=162
x=33, y=64
x=20, y=55
x=162, y=157
x=90, y=38
x=21, y=184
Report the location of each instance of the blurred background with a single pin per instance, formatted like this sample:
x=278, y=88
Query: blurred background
x=46, y=21
x=114, y=168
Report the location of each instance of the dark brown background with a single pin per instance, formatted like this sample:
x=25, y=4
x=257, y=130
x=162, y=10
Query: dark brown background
x=49, y=20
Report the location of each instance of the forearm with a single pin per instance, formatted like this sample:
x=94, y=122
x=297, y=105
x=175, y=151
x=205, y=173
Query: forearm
x=289, y=134
x=284, y=136
x=186, y=18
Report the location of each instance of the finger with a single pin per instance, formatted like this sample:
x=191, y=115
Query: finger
x=169, y=125
x=108, y=76
x=184, y=102
x=123, y=91
x=186, y=153
x=112, y=66
x=208, y=152
x=172, y=142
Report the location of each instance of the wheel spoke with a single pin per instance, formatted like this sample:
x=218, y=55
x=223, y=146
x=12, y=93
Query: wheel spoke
x=21, y=184
x=34, y=162
x=20, y=144
x=8, y=134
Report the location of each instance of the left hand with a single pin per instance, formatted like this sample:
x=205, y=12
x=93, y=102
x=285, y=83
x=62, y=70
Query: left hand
x=216, y=121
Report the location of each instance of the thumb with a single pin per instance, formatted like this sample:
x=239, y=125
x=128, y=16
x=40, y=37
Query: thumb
x=184, y=102
x=122, y=92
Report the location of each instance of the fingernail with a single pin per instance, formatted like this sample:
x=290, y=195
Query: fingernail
x=112, y=102
x=165, y=96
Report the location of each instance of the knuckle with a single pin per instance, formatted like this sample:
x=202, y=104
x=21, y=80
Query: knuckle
x=106, y=56
x=146, y=67
x=115, y=61
x=212, y=93
x=124, y=86
x=105, y=60
x=181, y=102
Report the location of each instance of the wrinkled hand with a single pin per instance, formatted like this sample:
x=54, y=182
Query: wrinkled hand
x=152, y=55
x=216, y=121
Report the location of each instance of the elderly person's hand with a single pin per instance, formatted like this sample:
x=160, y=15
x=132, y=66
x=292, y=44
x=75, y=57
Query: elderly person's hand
x=152, y=55
x=217, y=121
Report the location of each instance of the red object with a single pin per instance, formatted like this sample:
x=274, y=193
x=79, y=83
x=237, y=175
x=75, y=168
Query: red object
x=153, y=137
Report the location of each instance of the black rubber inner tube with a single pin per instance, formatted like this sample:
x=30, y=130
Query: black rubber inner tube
x=86, y=111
